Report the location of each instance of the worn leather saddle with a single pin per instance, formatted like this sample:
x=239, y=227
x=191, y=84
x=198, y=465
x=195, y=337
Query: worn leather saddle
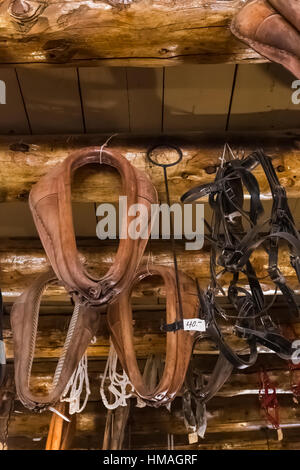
x=179, y=343
x=272, y=28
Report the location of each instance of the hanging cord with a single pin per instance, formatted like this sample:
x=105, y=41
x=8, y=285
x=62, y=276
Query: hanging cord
x=76, y=384
x=118, y=382
x=269, y=402
x=104, y=145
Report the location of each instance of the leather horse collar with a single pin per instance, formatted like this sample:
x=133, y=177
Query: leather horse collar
x=84, y=325
x=179, y=343
x=272, y=28
x=50, y=203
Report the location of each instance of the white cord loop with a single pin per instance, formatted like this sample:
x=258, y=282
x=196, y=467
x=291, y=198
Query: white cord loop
x=118, y=382
x=77, y=382
x=104, y=145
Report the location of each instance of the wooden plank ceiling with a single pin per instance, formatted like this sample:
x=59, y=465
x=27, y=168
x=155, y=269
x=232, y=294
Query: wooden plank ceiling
x=139, y=100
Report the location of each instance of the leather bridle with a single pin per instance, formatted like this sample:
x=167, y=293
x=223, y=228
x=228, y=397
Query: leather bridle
x=231, y=250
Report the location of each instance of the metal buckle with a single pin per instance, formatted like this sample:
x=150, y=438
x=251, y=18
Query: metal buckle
x=229, y=192
x=275, y=274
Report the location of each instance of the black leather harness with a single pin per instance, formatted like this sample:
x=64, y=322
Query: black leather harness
x=231, y=249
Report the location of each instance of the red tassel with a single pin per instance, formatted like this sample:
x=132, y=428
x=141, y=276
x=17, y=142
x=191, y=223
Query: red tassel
x=268, y=400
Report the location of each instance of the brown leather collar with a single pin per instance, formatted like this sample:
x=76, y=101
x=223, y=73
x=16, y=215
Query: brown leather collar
x=50, y=203
x=24, y=324
x=272, y=28
x=179, y=344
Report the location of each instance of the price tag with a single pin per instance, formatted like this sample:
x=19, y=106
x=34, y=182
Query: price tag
x=193, y=438
x=194, y=324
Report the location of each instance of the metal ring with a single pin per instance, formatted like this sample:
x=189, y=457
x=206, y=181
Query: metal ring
x=165, y=165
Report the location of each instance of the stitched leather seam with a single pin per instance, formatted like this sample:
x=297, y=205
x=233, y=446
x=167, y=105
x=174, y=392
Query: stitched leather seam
x=272, y=48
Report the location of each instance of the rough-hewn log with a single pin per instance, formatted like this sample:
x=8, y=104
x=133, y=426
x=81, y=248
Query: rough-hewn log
x=140, y=33
x=242, y=413
x=23, y=160
x=22, y=260
x=238, y=384
x=50, y=342
x=263, y=439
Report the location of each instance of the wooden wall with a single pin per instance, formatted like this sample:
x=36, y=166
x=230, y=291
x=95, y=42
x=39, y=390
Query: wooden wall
x=138, y=100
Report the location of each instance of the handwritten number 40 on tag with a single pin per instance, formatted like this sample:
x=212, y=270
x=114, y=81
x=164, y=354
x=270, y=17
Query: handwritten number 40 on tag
x=194, y=324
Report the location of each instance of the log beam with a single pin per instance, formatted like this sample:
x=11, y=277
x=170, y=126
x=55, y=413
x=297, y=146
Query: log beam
x=226, y=415
x=140, y=33
x=238, y=383
x=21, y=260
x=23, y=160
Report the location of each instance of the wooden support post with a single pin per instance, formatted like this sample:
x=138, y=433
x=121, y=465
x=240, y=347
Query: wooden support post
x=116, y=422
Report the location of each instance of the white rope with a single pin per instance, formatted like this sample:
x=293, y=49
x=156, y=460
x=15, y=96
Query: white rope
x=76, y=384
x=118, y=382
x=104, y=145
x=230, y=150
x=226, y=149
x=222, y=158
